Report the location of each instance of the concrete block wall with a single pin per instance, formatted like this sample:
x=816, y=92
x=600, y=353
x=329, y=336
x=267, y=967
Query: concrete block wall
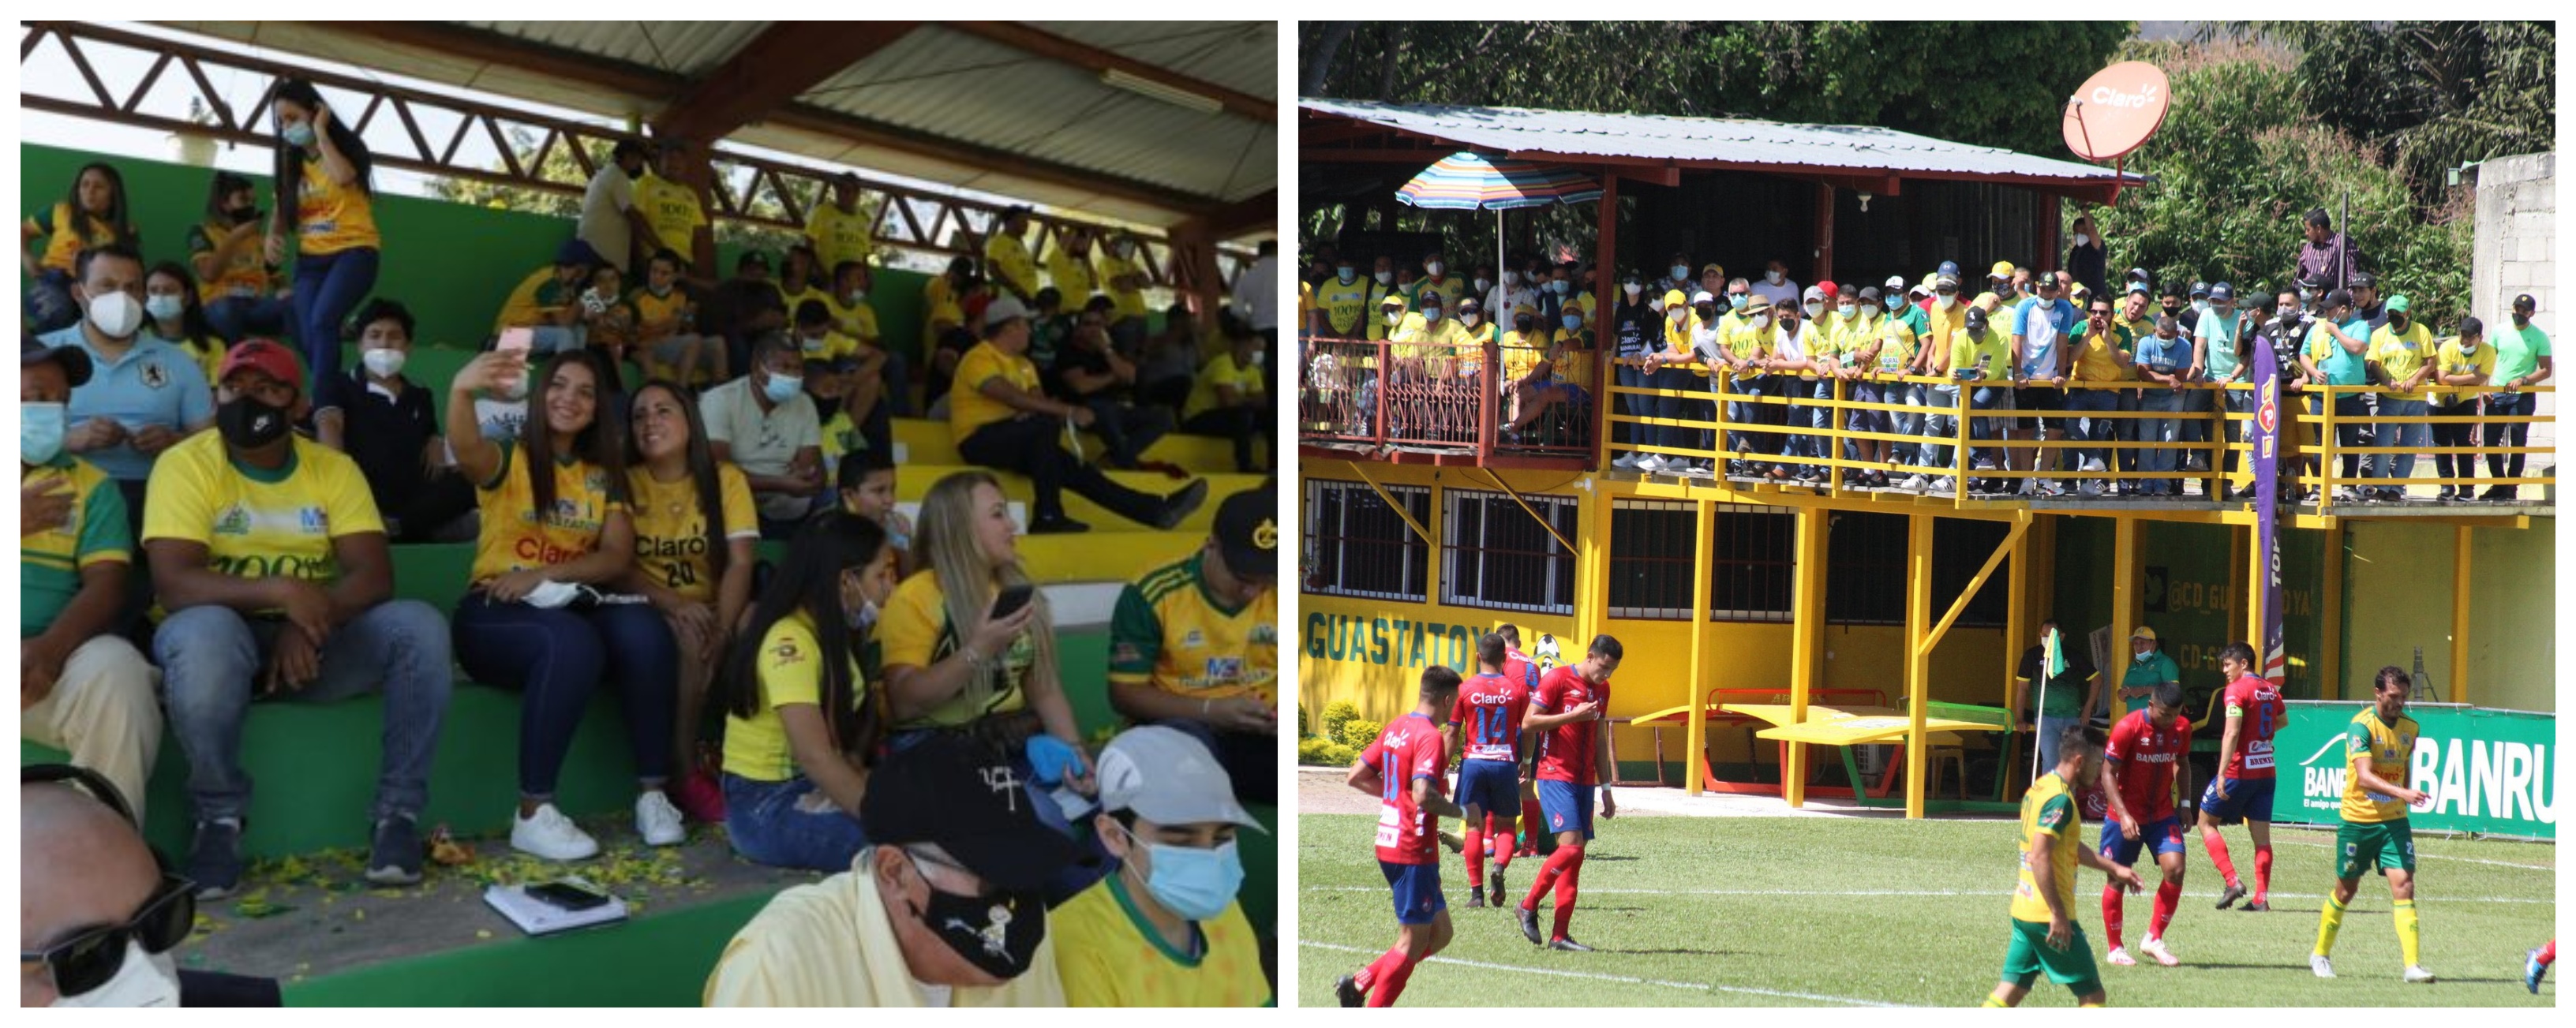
x=2516, y=253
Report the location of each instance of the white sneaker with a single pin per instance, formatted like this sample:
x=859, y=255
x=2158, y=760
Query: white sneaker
x=1916, y=483
x=549, y=835
x=2028, y=487
x=2318, y=963
x=2089, y=487
x=1945, y=485
x=2415, y=973
x=658, y=821
x=1650, y=463
x=1626, y=461
x=2093, y=464
x=2156, y=948
x=2120, y=955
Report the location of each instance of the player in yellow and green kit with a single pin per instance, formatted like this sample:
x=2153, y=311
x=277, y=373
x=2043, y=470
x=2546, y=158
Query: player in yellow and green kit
x=2377, y=748
x=2045, y=936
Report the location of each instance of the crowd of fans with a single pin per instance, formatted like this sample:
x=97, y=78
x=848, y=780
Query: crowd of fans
x=614, y=534
x=2014, y=340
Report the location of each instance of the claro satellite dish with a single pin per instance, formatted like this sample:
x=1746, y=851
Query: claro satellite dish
x=2115, y=111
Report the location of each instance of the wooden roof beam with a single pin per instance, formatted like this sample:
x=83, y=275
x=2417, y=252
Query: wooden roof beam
x=1245, y=215
x=1041, y=43
x=773, y=69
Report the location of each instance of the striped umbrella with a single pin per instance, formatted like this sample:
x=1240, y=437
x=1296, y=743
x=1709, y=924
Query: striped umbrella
x=1464, y=181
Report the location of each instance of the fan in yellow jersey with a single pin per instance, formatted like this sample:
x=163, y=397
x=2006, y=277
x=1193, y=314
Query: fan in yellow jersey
x=2045, y=936
x=1165, y=929
x=327, y=203
x=801, y=722
x=1194, y=644
x=235, y=281
x=2462, y=360
x=889, y=373
x=671, y=206
x=268, y=553
x=1069, y=268
x=841, y=231
x=1006, y=256
x=666, y=328
x=2379, y=747
x=556, y=529
x=694, y=532
x=1341, y=303
x=1122, y=275
x=95, y=214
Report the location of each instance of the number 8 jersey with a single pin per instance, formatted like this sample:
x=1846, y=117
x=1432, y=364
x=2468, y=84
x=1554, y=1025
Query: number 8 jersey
x=2257, y=703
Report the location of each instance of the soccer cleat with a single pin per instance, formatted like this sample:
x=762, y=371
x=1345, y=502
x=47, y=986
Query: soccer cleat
x=2532, y=970
x=1529, y=927
x=1567, y=943
x=2156, y=948
x=2417, y=975
x=2323, y=967
x=2227, y=897
x=2120, y=955
x=1475, y=898
x=1455, y=844
x=1494, y=888
x=1347, y=990
x=2256, y=906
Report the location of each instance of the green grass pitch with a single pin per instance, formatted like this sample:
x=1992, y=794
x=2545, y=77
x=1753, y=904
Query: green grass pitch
x=1834, y=911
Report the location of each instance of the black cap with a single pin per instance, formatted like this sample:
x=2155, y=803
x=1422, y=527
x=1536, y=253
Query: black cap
x=1247, y=533
x=2339, y=298
x=2048, y=278
x=963, y=797
x=72, y=359
x=2222, y=293
x=2472, y=327
x=2362, y=280
x=1976, y=317
x=2199, y=288
x=2525, y=302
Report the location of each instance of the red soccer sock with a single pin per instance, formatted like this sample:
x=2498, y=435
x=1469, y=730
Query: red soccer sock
x=2217, y=847
x=2114, y=908
x=1390, y=983
x=2548, y=954
x=1475, y=854
x=1547, y=872
x=1533, y=820
x=2262, y=872
x=1565, y=886
x=1369, y=976
x=2168, y=896
x=1503, y=851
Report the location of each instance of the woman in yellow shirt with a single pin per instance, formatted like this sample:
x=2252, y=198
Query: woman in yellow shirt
x=95, y=214
x=234, y=280
x=174, y=316
x=555, y=526
x=802, y=726
x=952, y=665
x=326, y=203
x=694, y=532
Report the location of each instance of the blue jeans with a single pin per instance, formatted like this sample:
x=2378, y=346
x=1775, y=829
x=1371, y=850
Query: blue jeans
x=557, y=659
x=1988, y=398
x=1940, y=423
x=1747, y=411
x=2351, y=410
x=1639, y=406
x=2126, y=429
x=327, y=287
x=771, y=823
x=2083, y=401
x=49, y=303
x=1911, y=394
x=1676, y=407
x=2409, y=434
x=2051, y=727
x=236, y=318
x=2508, y=405
x=212, y=657
x=898, y=382
x=2158, y=399
x=548, y=339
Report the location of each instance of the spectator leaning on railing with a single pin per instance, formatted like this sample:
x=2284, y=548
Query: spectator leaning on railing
x=2401, y=358
x=2522, y=359
x=2460, y=361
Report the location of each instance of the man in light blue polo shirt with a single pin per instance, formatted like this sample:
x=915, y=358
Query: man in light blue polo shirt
x=144, y=395
x=2214, y=342
x=2039, y=328
x=2334, y=355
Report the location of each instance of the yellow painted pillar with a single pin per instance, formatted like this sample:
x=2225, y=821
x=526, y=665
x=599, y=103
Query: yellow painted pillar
x=2460, y=617
x=1806, y=637
x=1918, y=662
x=1591, y=570
x=2256, y=582
x=2330, y=618
x=1695, y=767
x=2124, y=610
x=2017, y=619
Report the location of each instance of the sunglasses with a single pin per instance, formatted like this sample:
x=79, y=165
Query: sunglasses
x=88, y=960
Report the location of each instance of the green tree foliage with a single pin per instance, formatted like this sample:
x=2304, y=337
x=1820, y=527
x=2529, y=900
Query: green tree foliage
x=2240, y=159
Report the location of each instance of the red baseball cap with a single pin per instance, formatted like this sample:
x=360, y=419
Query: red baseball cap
x=266, y=356
x=1828, y=287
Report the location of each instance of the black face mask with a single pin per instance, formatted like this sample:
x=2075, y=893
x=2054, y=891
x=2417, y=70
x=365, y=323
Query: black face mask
x=2520, y=318
x=2397, y=321
x=998, y=934
x=1524, y=324
x=243, y=215
x=249, y=424
x=1706, y=311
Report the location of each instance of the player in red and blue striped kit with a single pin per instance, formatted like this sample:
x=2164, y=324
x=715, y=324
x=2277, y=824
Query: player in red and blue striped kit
x=2138, y=781
x=1485, y=728
x=1573, y=758
x=1404, y=769
x=2242, y=789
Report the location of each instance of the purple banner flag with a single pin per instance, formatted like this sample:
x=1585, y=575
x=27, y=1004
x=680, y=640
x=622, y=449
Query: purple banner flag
x=2267, y=499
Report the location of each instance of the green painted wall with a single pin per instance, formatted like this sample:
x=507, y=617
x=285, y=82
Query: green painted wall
x=2188, y=584
x=452, y=264
x=2398, y=596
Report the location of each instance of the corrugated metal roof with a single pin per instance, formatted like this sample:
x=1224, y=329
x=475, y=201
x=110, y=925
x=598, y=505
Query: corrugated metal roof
x=1240, y=55
x=684, y=47
x=1527, y=131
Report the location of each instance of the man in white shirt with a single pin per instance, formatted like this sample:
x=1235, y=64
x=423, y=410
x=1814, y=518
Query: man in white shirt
x=1256, y=294
x=1776, y=285
x=610, y=222
x=764, y=423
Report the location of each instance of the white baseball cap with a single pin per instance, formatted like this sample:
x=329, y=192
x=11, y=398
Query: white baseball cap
x=1169, y=778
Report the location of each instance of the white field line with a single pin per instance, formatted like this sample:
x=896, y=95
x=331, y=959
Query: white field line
x=1620, y=978
x=2433, y=856
x=1988, y=893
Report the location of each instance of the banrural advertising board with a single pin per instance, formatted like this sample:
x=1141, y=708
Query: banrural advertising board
x=2488, y=770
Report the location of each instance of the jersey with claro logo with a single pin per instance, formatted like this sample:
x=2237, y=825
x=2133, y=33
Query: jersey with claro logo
x=1407, y=750
x=1488, y=714
x=2256, y=702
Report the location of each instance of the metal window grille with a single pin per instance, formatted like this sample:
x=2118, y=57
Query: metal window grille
x=1650, y=559
x=1753, y=563
x=1493, y=554
x=1356, y=545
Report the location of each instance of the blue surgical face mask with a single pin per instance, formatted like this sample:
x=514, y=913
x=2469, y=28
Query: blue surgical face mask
x=298, y=134
x=165, y=306
x=1559, y=286
x=1680, y=272
x=1895, y=302
x=40, y=432
x=1573, y=322
x=1194, y=883
x=1736, y=301
x=782, y=388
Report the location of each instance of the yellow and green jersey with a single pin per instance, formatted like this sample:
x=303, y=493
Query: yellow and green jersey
x=67, y=233
x=516, y=538
x=1169, y=632
x=841, y=235
x=2401, y=354
x=330, y=217
x=1995, y=349
x=246, y=274
x=2451, y=360
x=2387, y=749
x=1895, y=346
x=916, y=632
x=1345, y=305
x=2048, y=809
x=1007, y=260
x=673, y=211
x=539, y=298
x=1109, y=955
x=1071, y=275
x=1130, y=302
x=671, y=530
x=790, y=669
x=93, y=532
x=258, y=523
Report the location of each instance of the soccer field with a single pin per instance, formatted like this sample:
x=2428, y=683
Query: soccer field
x=1851, y=911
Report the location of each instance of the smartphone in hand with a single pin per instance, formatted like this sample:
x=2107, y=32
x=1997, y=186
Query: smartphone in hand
x=1012, y=599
